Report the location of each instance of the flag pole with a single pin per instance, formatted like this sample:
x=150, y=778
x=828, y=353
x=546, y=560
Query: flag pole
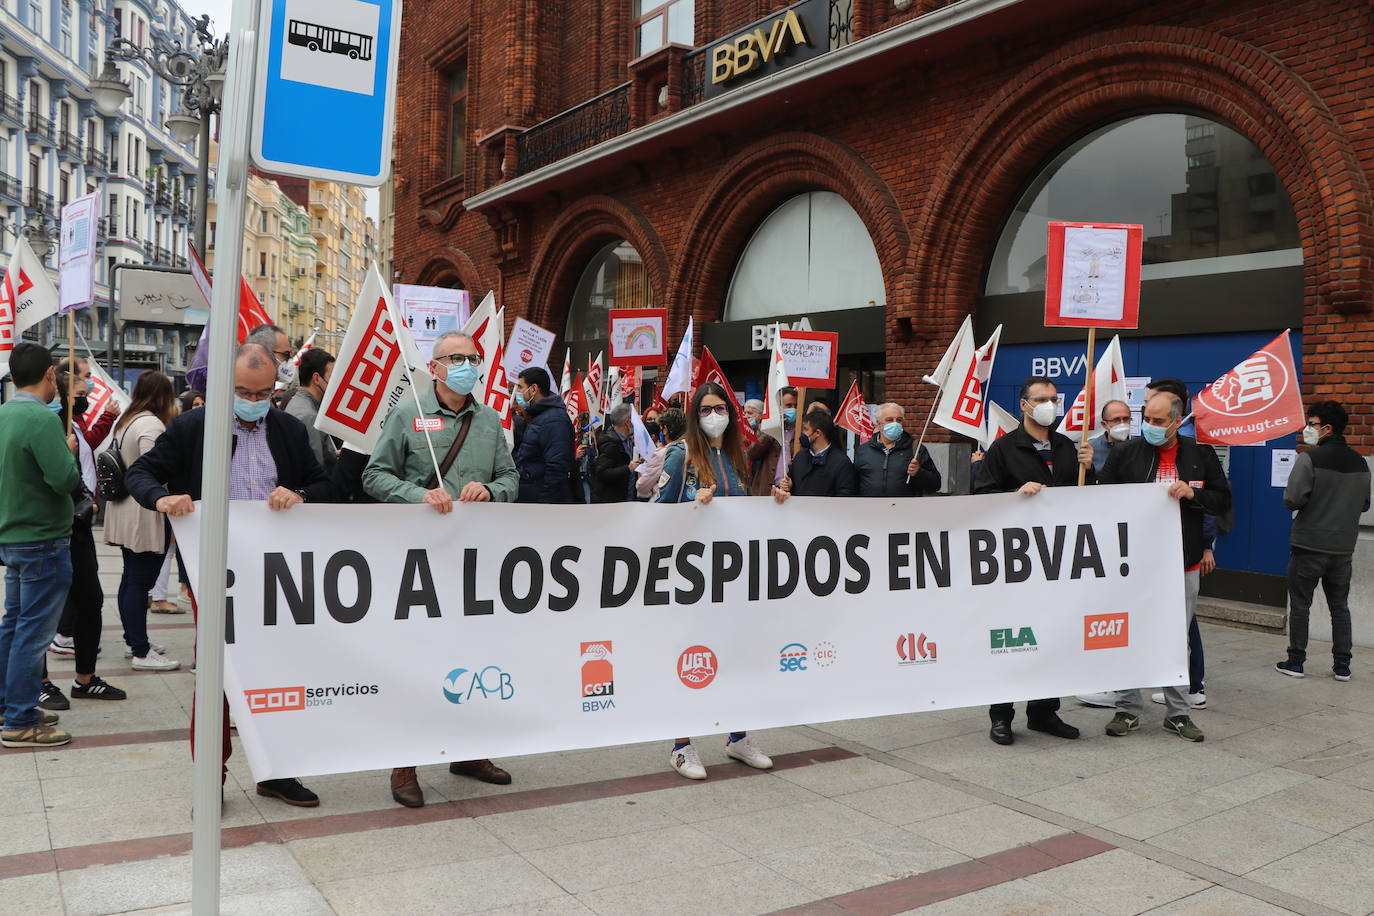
x=796, y=430
x=405, y=364
x=71, y=368
x=1088, y=406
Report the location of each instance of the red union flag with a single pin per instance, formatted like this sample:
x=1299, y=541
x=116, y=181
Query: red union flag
x=369, y=375
x=854, y=414
x=27, y=296
x=1256, y=401
x=710, y=371
x=101, y=391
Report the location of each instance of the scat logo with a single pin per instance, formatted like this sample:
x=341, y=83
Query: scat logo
x=464, y=686
x=696, y=667
x=1107, y=631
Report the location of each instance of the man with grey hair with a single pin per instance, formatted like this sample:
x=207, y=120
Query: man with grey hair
x=273, y=339
x=1199, y=485
x=888, y=464
x=1116, y=428
x=613, y=472
x=474, y=466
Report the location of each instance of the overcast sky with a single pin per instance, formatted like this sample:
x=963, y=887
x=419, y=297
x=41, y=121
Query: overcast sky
x=220, y=13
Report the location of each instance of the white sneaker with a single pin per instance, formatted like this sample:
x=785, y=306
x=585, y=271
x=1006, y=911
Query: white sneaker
x=745, y=751
x=129, y=653
x=1195, y=700
x=155, y=661
x=1104, y=700
x=62, y=645
x=687, y=762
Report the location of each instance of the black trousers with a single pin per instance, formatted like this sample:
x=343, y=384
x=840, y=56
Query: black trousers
x=1035, y=710
x=81, y=619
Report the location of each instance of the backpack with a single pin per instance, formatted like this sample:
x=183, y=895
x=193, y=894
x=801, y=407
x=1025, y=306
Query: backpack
x=110, y=470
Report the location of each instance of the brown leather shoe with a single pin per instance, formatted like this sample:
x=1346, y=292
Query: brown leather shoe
x=405, y=788
x=484, y=770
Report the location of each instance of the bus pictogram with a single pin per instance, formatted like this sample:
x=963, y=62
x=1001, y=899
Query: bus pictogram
x=330, y=40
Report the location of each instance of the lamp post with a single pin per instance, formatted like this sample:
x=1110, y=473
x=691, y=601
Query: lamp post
x=199, y=72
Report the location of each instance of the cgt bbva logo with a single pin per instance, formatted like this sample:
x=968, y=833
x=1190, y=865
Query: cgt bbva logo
x=1005, y=641
x=792, y=657
x=915, y=650
x=1107, y=631
x=463, y=686
x=598, y=676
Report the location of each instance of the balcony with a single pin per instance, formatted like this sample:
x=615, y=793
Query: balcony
x=42, y=128
x=159, y=255
x=10, y=187
x=11, y=109
x=182, y=209
x=163, y=195
x=110, y=224
x=97, y=160
x=35, y=199
x=595, y=121
x=69, y=144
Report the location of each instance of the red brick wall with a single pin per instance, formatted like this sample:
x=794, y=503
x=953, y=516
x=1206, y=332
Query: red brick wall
x=931, y=158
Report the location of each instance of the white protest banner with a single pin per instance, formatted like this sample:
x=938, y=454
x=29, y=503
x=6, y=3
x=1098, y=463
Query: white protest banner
x=464, y=636
x=529, y=345
x=100, y=391
x=811, y=357
x=27, y=296
x=369, y=376
x=680, y=373
x=429, y=311
x=76, y=257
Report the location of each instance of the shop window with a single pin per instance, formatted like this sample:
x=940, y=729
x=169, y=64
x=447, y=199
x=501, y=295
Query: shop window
x=662, y=22
x=615, y=278
x=457, y=120
x=812, y=254
x=1207, y=197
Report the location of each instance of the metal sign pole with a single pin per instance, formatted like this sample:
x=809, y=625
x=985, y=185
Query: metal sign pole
x=231, y=194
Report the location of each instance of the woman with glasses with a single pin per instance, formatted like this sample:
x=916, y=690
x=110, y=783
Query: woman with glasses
x=711, y=465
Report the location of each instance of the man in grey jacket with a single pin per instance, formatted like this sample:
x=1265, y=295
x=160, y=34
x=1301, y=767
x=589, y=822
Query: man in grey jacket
x=1328, y=490
x=313, y=376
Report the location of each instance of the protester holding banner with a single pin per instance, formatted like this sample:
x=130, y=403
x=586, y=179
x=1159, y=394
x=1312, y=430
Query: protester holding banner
x=819, y=469
x=1328, y=489
x=887, y=464
x=543, y=440
x=712, y=464
x=94, y=429
x=476, y=466
x=673, y=423
x=38, y=472
x=271, y=460
x=1025, y=461
x=1195, y=479
x=612, y=475
x=766, y=455
x=316, y=366
x=787, y=397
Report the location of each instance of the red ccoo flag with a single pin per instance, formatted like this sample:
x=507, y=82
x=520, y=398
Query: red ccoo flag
x=1256, y=401
x=251, y=312
x=709, y=371
x=854, y=414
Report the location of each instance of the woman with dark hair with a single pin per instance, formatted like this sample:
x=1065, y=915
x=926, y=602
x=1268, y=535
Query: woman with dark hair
x=712, y=464
x=673, y=423
x=820, y=468
x=191, y=399
x=140, y=533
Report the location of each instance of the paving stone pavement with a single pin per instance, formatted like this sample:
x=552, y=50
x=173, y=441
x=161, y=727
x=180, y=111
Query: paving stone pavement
x=1273, y=813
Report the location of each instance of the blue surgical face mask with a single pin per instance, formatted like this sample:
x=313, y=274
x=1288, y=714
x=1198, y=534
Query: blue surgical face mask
x=251, y=411
x=892, y=431
x=1155, y=435
x=55, y=405
x=789, y=415
x=462, y=378
x=520, y=399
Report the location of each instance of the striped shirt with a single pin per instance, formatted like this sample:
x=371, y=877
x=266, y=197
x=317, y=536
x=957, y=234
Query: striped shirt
x=252, y=470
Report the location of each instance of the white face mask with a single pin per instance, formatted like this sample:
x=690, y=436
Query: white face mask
x=1045, y=412
x=1310, y=436
x=1120, y=432
x=715, y=425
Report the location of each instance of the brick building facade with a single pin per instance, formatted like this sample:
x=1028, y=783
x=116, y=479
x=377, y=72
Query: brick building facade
x=930, y=122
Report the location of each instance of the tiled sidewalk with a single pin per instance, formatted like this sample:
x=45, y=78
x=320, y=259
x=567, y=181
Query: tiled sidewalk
x=1273, y=813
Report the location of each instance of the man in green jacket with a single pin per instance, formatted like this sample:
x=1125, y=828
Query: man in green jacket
x=402, y=470
x=37, y=475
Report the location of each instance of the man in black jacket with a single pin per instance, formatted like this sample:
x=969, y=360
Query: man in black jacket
x=613, y=470
x=543, y=440
x=886, y=463
x=1329, y=490
x=272, y=459
x=1026, y=461
x=1196, y=480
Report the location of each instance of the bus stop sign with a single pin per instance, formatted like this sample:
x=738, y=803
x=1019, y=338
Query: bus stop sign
x=326, y=89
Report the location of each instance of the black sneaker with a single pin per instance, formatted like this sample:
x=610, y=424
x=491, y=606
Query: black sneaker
x=1340, y=672
x=1290, y=668
x=97, y=689
x=52, y=698
x=290, y=791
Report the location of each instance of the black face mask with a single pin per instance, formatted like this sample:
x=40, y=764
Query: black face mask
x=806, y=441
x=79, y=406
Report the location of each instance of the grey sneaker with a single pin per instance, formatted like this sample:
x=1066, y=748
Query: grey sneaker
x=1183, y=726
x=44, y=718
x=1122, y=723
x=34, y=736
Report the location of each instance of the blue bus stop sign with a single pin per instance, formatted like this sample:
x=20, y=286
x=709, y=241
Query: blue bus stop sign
x=326, y=89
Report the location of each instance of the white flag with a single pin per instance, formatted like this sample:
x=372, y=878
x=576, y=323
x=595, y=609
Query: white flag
x=565, y=385
x=680, y=375
x=592, y=389
x=100, y=391
x=771, y=423
x=494, y=387
x=27, y=296
x=941, y=373
x=644, y=443
x=999, y=424
x=963, y=392
x=1109, y=384
x=369, y=375
x=613, y=398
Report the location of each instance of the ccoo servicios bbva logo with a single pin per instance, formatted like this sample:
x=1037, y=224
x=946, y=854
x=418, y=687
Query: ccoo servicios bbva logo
x=465, y=685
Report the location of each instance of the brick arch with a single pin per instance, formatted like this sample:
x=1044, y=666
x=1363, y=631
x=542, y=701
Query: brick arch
x=1111, y=75
x=570, y=243
x=756, y=182
x=449, y=265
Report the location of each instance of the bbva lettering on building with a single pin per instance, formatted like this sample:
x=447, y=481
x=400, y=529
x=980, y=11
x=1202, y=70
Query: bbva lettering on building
x=751, y=50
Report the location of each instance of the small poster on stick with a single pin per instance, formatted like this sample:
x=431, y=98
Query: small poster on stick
x=810, y=357
x=1093, y=275
x=638, y=337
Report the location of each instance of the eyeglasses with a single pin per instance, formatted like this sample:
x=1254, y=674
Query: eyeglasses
x=248, y=395
x=1317, y=425
x=282, y=355
x=457, y=359
x=705, y=411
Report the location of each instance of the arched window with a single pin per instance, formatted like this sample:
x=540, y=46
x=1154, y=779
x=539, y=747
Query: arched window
x=615, y=278
x=1208, y=198
x=812, y=254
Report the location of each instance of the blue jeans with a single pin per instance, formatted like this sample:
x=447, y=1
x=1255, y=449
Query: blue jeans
x=37, y=577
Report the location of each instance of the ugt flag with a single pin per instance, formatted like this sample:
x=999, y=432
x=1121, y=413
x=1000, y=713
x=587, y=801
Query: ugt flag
x=1256, y=401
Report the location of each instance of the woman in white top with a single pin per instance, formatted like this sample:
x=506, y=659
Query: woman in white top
x=140, y=533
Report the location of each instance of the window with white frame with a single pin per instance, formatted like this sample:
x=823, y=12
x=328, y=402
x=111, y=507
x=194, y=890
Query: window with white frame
x=662, y=22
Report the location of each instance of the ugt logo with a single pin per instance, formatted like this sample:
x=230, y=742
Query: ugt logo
x=1008, y=640
x=463, y=685
x=915, y=650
